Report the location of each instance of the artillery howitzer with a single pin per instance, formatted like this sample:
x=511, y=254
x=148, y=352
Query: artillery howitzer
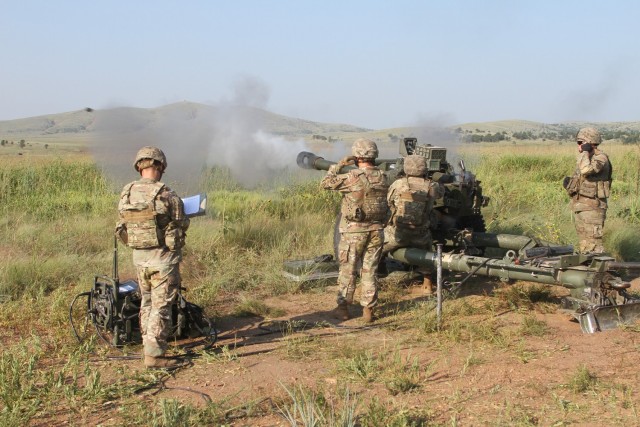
x=460, y=206
x=599, y=299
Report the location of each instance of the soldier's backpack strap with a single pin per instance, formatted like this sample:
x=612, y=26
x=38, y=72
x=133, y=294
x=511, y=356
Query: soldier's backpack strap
x=158, y=188
x=127, y=191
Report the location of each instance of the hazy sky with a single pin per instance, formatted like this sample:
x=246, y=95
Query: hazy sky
x=376, y=64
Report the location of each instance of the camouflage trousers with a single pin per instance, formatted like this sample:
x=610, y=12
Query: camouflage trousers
x=159, y=288
x=589, y=226
x=395, y=237
x=354, y=249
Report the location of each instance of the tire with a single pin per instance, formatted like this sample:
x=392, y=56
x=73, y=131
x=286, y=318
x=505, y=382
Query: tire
x=474, y=222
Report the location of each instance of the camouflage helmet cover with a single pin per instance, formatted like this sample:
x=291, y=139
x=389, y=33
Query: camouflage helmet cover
x=415, y=165
x=589, y=135
x=152, y=153
x=365, y=149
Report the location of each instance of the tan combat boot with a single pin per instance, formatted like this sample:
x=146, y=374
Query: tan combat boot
x=341, y=312
x=367, y=314
x=427, y=285
x=161, y=362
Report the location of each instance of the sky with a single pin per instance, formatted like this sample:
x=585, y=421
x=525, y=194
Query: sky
x=371, y=63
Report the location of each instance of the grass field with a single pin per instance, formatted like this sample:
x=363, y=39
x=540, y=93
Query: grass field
x=58, y=214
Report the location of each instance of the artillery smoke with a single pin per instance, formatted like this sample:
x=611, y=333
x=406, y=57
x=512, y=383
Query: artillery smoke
x=194, y=136
x=240, y=142
x=180, y=130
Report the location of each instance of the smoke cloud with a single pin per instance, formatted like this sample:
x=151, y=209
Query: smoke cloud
x=231, y=134
x=590, y=102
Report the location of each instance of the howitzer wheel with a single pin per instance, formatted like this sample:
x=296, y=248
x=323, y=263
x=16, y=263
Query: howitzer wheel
x=474, y=222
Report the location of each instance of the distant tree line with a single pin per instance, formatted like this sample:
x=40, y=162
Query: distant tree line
x=22, y=143
x=626, y=136
x=4, y=142
x=323, y=138
x=559, y=135
x=489, y=137
x=554, y=132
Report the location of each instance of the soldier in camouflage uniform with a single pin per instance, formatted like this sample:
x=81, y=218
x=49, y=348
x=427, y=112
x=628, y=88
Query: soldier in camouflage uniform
x=589, y=188
x=155, y=226
x=411, y=200
x=364, y=211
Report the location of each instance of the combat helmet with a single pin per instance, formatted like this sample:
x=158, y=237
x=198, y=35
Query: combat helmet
x=365, y=149
x=150, y=153
x=589, y=135
x=415, y=165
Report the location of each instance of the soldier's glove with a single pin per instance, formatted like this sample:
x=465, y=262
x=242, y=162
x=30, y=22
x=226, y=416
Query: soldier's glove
x=345, y=161
x=121, y=232
x=586, y=147
x=334, y=169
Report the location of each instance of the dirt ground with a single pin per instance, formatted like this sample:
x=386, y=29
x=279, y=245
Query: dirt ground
x=528, y=380
x=525, y=380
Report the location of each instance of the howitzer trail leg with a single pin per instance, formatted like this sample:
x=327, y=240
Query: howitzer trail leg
x=609, y=317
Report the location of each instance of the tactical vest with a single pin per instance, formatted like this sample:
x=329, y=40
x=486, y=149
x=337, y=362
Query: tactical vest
x=368, y=203
x=412, y=204
x=596, y=185
x=142, y=219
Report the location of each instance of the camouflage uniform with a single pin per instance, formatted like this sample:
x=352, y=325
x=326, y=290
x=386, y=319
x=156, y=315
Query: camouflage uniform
x=411, y=201
x=589, y=188
x=156, y=255
x=364, y=209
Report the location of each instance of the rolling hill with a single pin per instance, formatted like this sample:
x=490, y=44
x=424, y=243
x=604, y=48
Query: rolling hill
x=80, y=125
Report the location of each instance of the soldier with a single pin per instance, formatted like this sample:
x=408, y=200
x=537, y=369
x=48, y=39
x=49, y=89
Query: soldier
x=155, y=223
x=589, y=189
x=364, y=211
x=411, y=200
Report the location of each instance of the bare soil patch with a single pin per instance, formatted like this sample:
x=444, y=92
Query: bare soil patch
x=511, y=378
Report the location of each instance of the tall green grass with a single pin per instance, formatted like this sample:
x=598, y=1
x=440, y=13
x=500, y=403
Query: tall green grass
x=525, y=186
x=53, y=189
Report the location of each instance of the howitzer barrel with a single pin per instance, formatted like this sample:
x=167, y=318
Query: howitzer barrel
x=505, y=241
x=614, y=265
x=308, y=160
x=527, y=246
